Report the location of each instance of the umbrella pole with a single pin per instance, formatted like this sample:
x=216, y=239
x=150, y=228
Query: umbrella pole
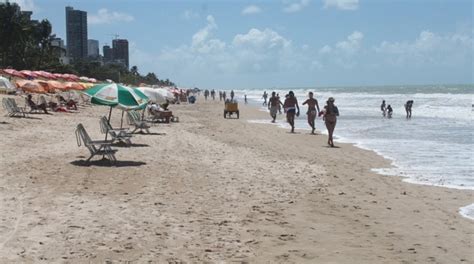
x=108, y=120
x=121, y=121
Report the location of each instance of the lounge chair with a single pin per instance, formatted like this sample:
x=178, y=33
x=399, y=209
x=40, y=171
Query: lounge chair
x=135, y=120
x=96, y=147
x=12, y=108
x=116, y=134
x=35, y=108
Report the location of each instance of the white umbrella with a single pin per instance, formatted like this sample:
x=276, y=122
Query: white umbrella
x=5, y=84
x=153, y=94
x=167, y=94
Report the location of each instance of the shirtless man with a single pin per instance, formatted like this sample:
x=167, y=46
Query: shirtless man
x=274, y=104
x=290, y=106
x=313, y=111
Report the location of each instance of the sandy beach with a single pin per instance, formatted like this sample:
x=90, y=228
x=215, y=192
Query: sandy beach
x=214, y=190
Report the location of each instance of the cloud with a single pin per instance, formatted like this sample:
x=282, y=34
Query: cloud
x=343, y=53
x=26, y=5
x=352, y=44
x=342, y=4
x=429, y=47
x=190, y=14
x=104, y=16
x=295, y=6
x=251, y=9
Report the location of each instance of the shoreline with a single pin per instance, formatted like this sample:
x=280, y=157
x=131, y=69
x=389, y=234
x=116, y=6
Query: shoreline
x=209, y=189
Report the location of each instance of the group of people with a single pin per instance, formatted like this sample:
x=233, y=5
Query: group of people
x=292, y=109
x=62, y=105
x=387, y=110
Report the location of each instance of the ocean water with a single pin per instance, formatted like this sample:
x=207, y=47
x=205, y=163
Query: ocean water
x=434, y=147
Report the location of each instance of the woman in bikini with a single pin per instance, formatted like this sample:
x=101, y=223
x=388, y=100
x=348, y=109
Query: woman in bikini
x=330, y=117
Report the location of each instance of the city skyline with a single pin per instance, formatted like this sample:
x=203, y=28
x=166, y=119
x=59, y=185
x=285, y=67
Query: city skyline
x=286, y=43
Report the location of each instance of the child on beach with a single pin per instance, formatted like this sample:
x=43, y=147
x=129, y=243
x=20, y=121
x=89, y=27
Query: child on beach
x=389, y=111
x=382, y=108
x=408, y=106
x=330, y=118
x=313, y=110
x=264, y=96
x=290, y=106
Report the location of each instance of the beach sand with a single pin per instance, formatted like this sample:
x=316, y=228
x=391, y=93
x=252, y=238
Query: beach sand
x=214, y=190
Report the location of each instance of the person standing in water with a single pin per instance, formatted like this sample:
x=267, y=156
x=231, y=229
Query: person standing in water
x=389, y=111
x=264, y=96
x=330, y=118
x=383, y=109
x=273, y=104
x=313, y=111
x=408, y=106
x=290, y=106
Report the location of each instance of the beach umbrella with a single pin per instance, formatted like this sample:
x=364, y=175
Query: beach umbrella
x=116, y=95
x=14, y=73
x=153, y=95
x=29, y=74
x=6, y=85
x=74, y=86
x=86, y=85
x=30, y=86
x=52, y=86
x=166, y=93
x=45, y=74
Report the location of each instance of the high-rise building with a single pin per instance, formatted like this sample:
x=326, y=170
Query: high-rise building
x=108, y=53
x=120, y=51
x=76, y=33
x=93, y=48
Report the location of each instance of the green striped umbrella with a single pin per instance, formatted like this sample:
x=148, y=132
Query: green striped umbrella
x=116, y=95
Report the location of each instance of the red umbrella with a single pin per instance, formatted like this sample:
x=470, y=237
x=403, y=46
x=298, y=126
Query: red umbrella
x=29, y=74
x=45, y=74
x=14, y=73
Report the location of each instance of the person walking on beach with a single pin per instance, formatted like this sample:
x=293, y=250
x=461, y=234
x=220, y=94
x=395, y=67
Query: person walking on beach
x=223, y=95
x=383, y=109
x=273, y=104
x=206, y=94
x=313, y=111
x=245, y=98
x=290, y=106
x=408, y=106
x=389, y=111
x=220, y=95
x=232, y=95
x=213, y=94
x=330, y=118
x=264, y=96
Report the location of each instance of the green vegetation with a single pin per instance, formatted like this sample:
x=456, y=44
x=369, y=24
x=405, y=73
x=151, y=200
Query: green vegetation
x=26, y=45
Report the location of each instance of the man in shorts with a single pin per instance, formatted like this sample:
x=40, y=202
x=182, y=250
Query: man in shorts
x=290, y=106
x=273, y=105
x=313, y=111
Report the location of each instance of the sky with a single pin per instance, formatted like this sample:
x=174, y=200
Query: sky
x=242, y=44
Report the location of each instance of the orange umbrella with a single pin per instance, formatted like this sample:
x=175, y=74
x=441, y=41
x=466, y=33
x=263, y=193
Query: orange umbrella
x=30, y=86
x=74, y=86
x=53, y=86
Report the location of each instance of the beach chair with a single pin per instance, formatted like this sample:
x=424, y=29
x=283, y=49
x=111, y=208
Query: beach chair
x=12, y=108
x=95, y=147
x=135, y=120
x=116, y=134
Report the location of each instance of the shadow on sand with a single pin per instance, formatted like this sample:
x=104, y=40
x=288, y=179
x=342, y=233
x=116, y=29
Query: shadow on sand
x=107, y=163
x=133, y=145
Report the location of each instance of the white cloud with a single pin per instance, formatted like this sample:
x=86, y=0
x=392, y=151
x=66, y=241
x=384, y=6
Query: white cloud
x=342, y=4
x=251, y=9
x=352, y=44
x=190, y=14
x=429, y=47
x=26, y=5
x=295, y=6
x=104, y=16
x=325, y=50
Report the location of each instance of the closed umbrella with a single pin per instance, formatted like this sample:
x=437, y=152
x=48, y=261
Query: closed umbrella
x=14, y=73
